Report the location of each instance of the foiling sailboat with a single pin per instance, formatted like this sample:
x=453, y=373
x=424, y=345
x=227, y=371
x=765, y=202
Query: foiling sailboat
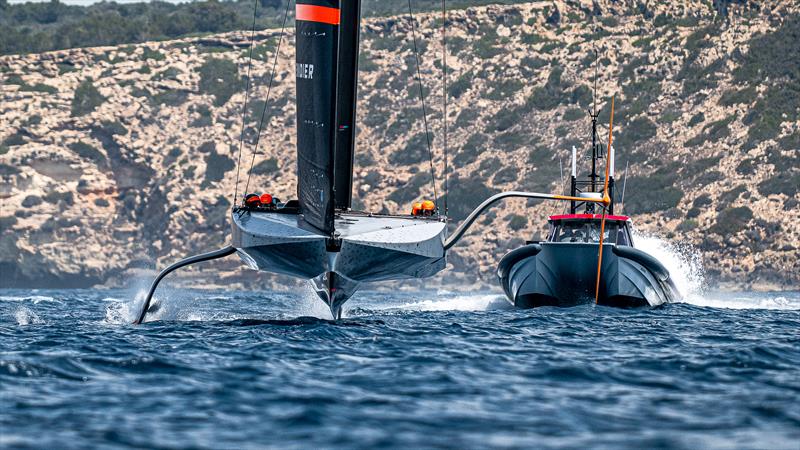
x=587, y=256
x=318, y=237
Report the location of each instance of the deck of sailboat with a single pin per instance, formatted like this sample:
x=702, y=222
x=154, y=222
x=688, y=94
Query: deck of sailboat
x=364, y=247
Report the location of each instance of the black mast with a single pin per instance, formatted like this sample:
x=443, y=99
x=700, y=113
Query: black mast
x=326, y=74
x=346, y=88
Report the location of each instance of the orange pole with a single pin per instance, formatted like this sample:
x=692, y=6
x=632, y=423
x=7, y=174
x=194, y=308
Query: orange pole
x=606, y=202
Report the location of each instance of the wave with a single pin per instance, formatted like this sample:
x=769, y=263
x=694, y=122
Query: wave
x=26, y=316
x=35, y=299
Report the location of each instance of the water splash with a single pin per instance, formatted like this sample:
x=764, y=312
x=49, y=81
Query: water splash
x=469, y=302
x=26, y=316
x=787, y=301
x=685, y=265
x=310, y=305
x=684, y=262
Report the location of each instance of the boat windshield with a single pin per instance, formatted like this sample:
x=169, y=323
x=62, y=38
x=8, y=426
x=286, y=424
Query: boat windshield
x=589, y=231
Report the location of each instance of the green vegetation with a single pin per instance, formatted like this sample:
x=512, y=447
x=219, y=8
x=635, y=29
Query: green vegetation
x=574, y=114
x=205, y=118
x=780, y=103
x=731, y=221
x=506, y=175
x=404, y=195
x=714, y=132
x=505, y=88
x=267, y=167
x=16, y=138
x=637, y=130
x=510, y=140
x=551, y=94
x=216, y=167
x=475, y=145
x=155, y=55
x=517, y=222
x=462, y=84
x=55, y=197
x=39, y=27
x=687, y=225
x=171, y=157
x=486, y=46
x=415, y=152
x=697, y=118
x=219, y=77
x=773, y=57
x=728, y=197
x=746, y=167
x=656, y=192
x=733, y=97
x=87, y=98
x=780, y=183
x=39, y=87
x=466, y=194
x=87, y=151
x=31, y=201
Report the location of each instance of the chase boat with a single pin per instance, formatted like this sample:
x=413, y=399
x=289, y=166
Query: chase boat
x=572, y=266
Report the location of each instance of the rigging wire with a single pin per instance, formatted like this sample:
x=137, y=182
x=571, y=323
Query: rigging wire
x=246, y=98
x=424, y=110
x=269, y=91
x=444, y=99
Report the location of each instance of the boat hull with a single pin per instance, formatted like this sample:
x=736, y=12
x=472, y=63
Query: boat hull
x=564, y=274
x=364, y=249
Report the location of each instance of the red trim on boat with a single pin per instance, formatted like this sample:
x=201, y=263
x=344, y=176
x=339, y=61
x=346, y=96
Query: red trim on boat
x=321, y=14
x=587, y=216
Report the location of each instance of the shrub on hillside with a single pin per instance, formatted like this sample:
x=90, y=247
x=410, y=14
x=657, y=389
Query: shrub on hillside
x=268, y=166
x=415, y=152
x=475, y=145
x=551, y=94
x=786, y=183
x=87, y=151
x=408, y=193
x=731, y=221
x=656, y=192
x=86, y=99
x=466, y=194
x=742, y=96
x=216, y=167
x=517, y=222
x=637, y=130
x=220, y=78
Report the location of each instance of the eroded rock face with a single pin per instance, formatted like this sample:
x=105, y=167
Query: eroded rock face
x=117, y=159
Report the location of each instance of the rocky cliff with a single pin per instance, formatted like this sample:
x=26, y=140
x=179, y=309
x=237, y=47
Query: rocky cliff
x=118, y=159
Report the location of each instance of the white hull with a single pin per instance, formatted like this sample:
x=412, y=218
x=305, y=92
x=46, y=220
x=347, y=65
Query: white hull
x=365, y=248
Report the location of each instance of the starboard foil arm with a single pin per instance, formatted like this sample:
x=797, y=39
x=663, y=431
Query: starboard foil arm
x=459, y=233
x=221, y=253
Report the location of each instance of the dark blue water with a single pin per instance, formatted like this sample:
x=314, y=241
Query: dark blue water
x=417, y=370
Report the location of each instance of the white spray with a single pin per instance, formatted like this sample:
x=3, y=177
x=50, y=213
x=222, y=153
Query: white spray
x=683, y=261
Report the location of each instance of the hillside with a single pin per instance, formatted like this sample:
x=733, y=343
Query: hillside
x=114, y=159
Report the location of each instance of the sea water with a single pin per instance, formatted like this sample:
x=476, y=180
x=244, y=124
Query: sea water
x=432, y=369
x=414, y=370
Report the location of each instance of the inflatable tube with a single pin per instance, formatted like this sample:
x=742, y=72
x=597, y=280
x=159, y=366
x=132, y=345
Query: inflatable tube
x=649, y=262
x=515, y=256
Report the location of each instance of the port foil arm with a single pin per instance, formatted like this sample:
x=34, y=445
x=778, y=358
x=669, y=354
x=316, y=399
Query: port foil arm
x=221, y=253
x=459, y=232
